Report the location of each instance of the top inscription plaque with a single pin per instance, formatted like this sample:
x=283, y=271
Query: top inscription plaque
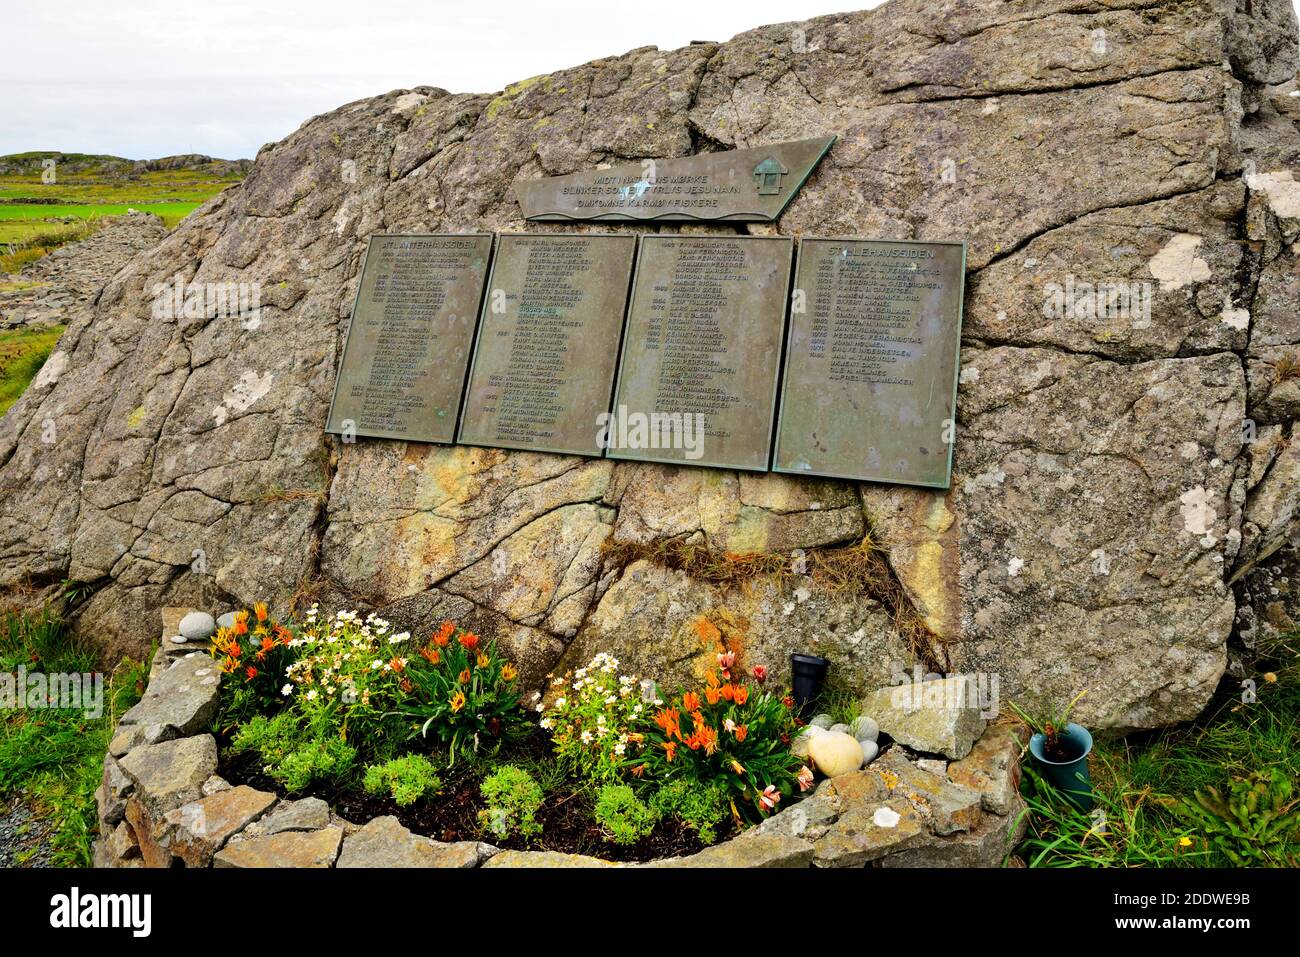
x=870, y=388
x=749, y=185
x=409, y=340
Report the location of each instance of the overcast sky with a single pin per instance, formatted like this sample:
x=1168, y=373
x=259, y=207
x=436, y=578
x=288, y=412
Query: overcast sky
x=150, y=78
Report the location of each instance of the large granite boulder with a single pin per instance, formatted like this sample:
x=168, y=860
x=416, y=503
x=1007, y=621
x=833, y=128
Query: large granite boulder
x=1102, y=497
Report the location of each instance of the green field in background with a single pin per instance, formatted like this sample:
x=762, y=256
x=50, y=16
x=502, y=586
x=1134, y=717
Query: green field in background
x=86, y=194
x=18, y=215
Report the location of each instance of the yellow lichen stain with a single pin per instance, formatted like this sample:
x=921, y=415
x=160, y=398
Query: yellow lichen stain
x=749, y=533
x=889, y=777
x=544, y=121
x=136, y=418
x=516, y=89
x=937, y=517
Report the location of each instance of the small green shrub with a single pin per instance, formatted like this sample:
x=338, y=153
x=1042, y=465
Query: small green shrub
x=319, y=759
x=405, y=779
x=513, y=799
x=701, y=807
x=291, y=754
x=623, y=816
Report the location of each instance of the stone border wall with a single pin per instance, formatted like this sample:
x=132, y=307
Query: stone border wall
x=161, y=803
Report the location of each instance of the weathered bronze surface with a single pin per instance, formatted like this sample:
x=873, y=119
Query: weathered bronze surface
x=703, y=339
x=409, y=340
x=870, y=382
x=548, y=342
x=749, y=185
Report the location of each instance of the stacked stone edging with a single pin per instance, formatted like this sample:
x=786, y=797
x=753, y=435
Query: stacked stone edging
x=161, y=803
x=66, y=283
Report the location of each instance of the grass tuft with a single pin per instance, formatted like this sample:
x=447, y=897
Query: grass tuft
x=54, y=759
x=22, y=353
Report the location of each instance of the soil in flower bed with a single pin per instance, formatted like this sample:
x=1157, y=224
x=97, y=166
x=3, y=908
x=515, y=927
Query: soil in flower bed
x=452, y=814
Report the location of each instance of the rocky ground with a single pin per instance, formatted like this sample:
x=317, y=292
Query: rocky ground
x=23, y=837
x=61, y=287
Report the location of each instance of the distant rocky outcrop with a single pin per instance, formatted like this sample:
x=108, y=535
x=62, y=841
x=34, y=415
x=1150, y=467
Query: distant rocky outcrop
x=78, y=164
x=1102, y=497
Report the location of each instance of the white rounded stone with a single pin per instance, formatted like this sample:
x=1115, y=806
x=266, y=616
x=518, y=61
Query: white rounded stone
x=869, y=751
x=823, y=721
x=865, y=729
x=197, y=625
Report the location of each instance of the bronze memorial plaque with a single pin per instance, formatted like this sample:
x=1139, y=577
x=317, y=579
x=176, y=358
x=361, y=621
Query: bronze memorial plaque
x=548, y=342
x=871, y=365
x=702, y=352
x=749, y=185
x=408, y=343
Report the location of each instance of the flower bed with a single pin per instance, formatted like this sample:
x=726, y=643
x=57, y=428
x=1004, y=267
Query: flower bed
x=338, y=742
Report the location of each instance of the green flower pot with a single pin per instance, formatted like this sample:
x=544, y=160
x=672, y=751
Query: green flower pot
x=1070, y=777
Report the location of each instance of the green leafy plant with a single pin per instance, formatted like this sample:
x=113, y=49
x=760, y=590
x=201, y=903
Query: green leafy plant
x=701, y=807
x=1257, y=823
x=623, y=816
x=405, y=779
x=593, y=718
x=513, y=799
x=294, y=754
x=461, y=691
x=255, y=653
x=731, y=734
x=1051, y=722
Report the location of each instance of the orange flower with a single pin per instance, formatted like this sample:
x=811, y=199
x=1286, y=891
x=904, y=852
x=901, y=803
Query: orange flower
x=712, y=693
x=704, y=737
x=397, y=665
x=508, y=672
x=430, y=655
x=283, y=634
x=638, y=770
x=670, y=750
x=669, y=720
x=729, y=692
x=741, y=693
x=741, y=732
x=260, y=610
x=737, y=766
x=406, y=685
x=268, y=644
x=229, y=665
x=463, y=677
x=469, y=641
x=691, y=701
x=241, y=623
x=443, y=634
x=250, y=672
x=483, y=660
x=457, y=701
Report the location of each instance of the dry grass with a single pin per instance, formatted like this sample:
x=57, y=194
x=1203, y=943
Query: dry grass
x=1286, y=368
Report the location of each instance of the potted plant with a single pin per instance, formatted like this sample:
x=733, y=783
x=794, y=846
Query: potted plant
x=807, y=673
x=1060, y=749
